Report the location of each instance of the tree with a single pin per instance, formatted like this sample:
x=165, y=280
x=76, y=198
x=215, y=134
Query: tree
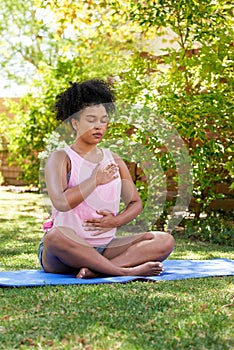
x=62, y=41
x=195, y=94
x=27, y=39
x=189, y=86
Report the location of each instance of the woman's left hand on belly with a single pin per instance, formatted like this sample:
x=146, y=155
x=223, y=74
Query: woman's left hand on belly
x=102, y=224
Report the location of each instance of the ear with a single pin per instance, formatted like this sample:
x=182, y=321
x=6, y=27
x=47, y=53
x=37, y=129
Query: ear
x=74, y=123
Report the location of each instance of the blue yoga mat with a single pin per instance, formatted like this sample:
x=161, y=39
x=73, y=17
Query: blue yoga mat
x=174, y=270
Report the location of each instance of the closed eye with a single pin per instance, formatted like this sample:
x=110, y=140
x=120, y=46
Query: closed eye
x=104, y=120
x=93, y=119
x=90, y=119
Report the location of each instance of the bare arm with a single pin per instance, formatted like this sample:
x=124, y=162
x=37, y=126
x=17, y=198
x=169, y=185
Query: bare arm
x=64, y=198
x=129, y=195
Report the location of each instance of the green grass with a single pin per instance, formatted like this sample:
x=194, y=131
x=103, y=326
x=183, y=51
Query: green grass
x=187, y=314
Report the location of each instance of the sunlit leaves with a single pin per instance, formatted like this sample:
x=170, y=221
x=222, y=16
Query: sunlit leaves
x=190, y=84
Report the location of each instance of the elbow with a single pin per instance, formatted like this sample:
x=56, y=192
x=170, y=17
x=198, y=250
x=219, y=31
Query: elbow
x=140, y=205
x=61, y=205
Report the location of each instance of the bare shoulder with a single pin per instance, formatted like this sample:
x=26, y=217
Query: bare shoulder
x=58, y=157
x=123, y=169
x=117, y=158
x=57, y=154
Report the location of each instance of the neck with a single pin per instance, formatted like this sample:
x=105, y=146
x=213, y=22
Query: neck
x=84, y=149
x=92, y=154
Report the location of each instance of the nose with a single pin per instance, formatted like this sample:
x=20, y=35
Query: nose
x=97, y=124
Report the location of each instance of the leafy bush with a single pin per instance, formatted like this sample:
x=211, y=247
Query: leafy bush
x=195, y=92
x=192, y=96
x=215, y=228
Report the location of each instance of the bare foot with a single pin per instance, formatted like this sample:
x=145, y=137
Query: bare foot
x=85, y=272
x=147, y=269
x=150, y=268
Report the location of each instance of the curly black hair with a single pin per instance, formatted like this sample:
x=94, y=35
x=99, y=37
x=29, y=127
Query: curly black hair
x=80, y=95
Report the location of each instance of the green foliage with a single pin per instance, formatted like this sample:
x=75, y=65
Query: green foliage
x=25, y=133
x=74, y=50
x=189, y=87
x=216, y=228
x=195, y=93
x=26, y=40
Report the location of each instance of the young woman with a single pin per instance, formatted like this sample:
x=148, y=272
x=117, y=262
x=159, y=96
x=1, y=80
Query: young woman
x=85, y=184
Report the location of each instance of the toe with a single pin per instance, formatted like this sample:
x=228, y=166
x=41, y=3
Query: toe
x=81, y=273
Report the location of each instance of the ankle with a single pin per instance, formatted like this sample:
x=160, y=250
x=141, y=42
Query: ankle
x=126, y=271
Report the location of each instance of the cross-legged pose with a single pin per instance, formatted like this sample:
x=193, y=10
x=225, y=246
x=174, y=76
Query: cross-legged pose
x=85, y=184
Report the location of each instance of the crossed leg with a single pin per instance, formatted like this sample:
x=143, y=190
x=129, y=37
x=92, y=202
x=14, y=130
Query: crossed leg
x=65, y=252
x=135, y=250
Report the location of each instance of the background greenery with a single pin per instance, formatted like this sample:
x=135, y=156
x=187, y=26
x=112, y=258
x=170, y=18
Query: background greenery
x=50, y=43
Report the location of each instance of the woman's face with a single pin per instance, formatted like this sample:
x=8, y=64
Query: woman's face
x=91, y=124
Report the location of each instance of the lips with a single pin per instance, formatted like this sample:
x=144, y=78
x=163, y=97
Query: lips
x=97, y=134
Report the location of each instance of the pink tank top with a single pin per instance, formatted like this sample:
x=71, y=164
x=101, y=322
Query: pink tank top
x=104, y=197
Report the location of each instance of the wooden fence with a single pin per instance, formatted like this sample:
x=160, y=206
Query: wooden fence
x=9, y=173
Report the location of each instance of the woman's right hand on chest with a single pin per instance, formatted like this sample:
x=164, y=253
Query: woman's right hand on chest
x=107, y=174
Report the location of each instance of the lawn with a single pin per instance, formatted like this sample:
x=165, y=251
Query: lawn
x=188, y=314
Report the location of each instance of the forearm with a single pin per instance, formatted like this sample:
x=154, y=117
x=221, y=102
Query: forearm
x=130, y=212
x=71, y=197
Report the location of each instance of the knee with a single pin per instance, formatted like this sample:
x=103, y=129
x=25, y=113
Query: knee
x=169, y=242
x=51, y=238
x=61, y=238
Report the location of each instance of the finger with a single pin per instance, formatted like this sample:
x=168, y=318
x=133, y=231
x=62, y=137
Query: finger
x=91, y=221
x=103, y=212
x=94, y=224
x=112, y=167
x=93, y=228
